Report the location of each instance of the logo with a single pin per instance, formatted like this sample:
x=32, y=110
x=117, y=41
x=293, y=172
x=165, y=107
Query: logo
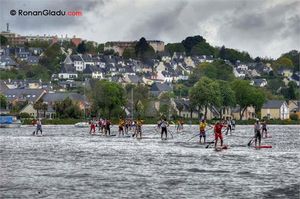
x=45, y=12
x=13, y=12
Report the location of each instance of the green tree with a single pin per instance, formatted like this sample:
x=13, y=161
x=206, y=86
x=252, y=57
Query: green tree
x=290, y=92
x=143, y=50
x=3, y=101
x=205, y=93
x=108, y=96
x=100, y=48
x=38, y=106
x=227, y=96
x=3, y=40
x=82, y=48
x=233, y=55
x=129, y=52
x=67, y=109
x=138, y=96
x=294, y=56
x=190, y=42
x=174, y=47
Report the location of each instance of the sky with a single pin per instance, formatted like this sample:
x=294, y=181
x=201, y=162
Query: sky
x=265, y=28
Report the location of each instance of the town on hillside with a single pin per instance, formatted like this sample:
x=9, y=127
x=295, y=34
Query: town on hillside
x=144, y=78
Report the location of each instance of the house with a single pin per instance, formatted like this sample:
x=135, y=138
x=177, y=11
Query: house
x=239, y=73
x=68, y=71
x=286, y=72
x=23, y=95
x=159, y=88
x=6, y=62
x=259, y=82
x=249, y=113
x=94, y=72
x=275, y=109
x=29, y=110
x=76, y=60
x=33, y=60
x=294, y=107
x=133, y=79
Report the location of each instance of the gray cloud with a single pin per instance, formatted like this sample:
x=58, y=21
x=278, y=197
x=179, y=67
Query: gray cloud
x=263, y=28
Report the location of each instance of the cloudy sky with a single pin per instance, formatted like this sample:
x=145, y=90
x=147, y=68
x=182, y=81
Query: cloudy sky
x=264, y=28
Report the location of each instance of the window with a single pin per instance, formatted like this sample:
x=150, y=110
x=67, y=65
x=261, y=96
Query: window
x=33, y=95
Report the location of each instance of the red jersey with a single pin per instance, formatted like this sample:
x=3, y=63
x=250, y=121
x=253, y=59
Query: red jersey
x=218, y=128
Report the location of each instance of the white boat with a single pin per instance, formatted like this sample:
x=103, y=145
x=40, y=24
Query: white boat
x=9, y=122
x=82, y=125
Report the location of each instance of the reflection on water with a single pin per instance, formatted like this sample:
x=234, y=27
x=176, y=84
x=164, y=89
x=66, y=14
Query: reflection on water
x=68, y=162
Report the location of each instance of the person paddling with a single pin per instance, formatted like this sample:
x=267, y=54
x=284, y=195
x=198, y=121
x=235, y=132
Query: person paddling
x=92, y=127
x=164, y=125
x=264, y=129
x=218, y=133
x=39, y=127
x=257, y=128
x=202, y=126
x=121, y=126
x=139, y=124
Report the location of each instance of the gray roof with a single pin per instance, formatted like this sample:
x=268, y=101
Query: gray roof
x=68, y=68
x=76, y=58
x=164, y=87
x=135, y=79
x=54, y=97
x=7, y=60
x=273, y=104
x=30, y=95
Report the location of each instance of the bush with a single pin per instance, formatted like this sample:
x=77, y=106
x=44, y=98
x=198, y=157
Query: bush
x=294, y=117
x=25, y=115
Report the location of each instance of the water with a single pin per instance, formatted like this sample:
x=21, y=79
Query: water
x=69, y=163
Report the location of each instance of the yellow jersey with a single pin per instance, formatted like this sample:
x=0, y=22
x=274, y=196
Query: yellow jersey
x=203, y=125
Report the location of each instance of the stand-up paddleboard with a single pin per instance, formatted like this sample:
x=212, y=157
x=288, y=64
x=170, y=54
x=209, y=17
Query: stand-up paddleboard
x=269, y=136
x=220, y=148
x=263, y=147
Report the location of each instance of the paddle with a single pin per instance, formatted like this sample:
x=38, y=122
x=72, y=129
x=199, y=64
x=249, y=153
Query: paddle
x=193, y=137
x=214, y=140
x=171, y=133
x=250, y=142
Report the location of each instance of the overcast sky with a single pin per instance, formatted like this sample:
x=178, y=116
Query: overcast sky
x=265, y=28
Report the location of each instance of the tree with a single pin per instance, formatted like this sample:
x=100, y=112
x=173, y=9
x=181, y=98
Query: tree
x=294, y=56
x=3, y=101
x=138, y=96
x=108, y=96
x=129, y=52
x=44, y=108
x=217, y=70
x=143, y=50
x=190, y=42
x=233, y=55
x=174, y=47
x=38, y=106
x=247, y=95
x=205, y=93
x=3, y=40
x=290, y=93
x=227, y=96
x=81, y=48
x=282, y=62
x=67, y=109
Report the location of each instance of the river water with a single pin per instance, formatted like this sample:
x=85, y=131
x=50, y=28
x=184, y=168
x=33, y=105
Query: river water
x=67, y=162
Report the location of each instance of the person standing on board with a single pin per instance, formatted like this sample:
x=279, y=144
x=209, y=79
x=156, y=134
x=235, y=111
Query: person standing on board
x=92, y=127
x=228, y=122
x=139, y=124
x=202, y=126
x=164, y=125
x=233, y=124
x=121, y=126
x=257, y=128
x=218, y=133
x=264, y=129
x=39, y=127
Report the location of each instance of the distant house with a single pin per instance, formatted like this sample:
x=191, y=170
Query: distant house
x=159, y=88
x=68, y=71
x=286, y=72
x=6, y=62
x=239, y=73
x=133, y=79
x=249, y=113
x=259, y=82
x=33, y=60
x=94, y=72
x=23, y=95
x=76, y=60
x=296, y=78
x=275, y=109
x=29, y=110
x=294, y=107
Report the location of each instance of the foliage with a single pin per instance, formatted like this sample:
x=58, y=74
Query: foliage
x=227, y=95
x=3, y=40
x=143, y=50
x=294, y=117
x=129, y=52
x=82, y=48
x=191, y=42
x=100, y=48
x=247, y=95
x=282, y=62
x=203, y=48
x=205, y=93
x=51, y=59
x=107, y=96
x=3, y=101
x=25, y=115
x=67, y=109
x=291, y=92
x=217, y=70
x=233, y=55
x=37, y=44
x=138, y=96
x=294, y=56
x=174, y=47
